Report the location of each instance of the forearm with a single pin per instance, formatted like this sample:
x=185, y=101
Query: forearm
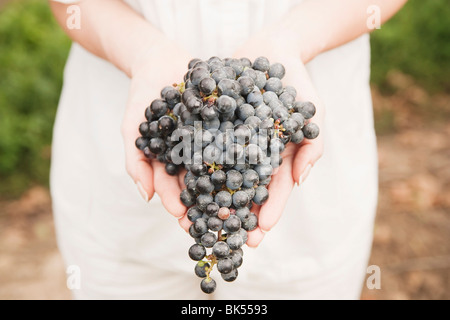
x=321, y=25
x=111, y=30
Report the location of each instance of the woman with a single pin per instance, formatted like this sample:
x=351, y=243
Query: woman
x=124, y=52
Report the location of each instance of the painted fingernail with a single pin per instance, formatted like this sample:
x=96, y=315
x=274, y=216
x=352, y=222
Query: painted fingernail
x=304, y=175
x=142, y=191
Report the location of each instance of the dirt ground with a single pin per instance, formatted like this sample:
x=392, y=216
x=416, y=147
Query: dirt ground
x=411, y=237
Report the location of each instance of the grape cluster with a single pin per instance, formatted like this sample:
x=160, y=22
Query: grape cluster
x=227, y=124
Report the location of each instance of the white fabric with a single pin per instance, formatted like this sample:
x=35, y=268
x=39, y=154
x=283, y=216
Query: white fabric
x=126, y=248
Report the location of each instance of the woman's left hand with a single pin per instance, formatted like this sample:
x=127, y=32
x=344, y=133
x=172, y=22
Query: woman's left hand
x=297, y=159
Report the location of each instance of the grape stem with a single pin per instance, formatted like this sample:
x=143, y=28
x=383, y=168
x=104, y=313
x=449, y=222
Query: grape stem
x=212, y=260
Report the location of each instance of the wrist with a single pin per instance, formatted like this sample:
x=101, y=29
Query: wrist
x=143, y=51
x=304, y=43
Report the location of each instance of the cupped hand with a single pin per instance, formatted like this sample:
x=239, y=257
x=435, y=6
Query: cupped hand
x=297, y=159
x=159, y=66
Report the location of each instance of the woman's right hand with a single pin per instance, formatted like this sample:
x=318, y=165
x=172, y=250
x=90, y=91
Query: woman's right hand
x=161, y=65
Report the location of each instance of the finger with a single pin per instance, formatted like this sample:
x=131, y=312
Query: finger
x=181, y=175
x=168, y=189
x=255, y=209
x=304, y=160
x=255, y=237
x=185, y=223
x=137, y=165
x=279, y=190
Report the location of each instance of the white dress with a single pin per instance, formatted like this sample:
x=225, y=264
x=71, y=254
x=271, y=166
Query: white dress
x=128, y=249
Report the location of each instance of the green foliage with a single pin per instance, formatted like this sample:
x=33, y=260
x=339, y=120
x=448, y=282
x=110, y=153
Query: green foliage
x=417, y=42
x=32, y=56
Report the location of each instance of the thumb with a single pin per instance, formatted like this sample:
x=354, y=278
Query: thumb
x=137, y=165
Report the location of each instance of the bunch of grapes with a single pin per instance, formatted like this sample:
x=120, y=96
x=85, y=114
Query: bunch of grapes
x=227, y=124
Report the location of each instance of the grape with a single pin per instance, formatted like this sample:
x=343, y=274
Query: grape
x=232, y=224
x=287, y=99
x=242, y=134
x=276, y=70
x=194, y=104
x=212, y=209
x=204, y=184
x=236, y=257
x=171, y=169
x=234, y=180
x=225, y=265
x=208, y=285
x=226, y=104
x=263, y=112
x=255, y=98
x=193, y=62
x=311, y=130
x=172, y=96
x=228, y=87
x=244, y=111
x=243, y=213
x=219, y=74
x=224, y=213
x=158, y=108
x=166, y=125
x=200, y=226
x=223, y=198
x=142, y=143
x=208, y=239
x=220, y=249
x=250, y=178
x=240, y=199
x=194, y=213
x=200, y=269
x=261, y=79
x=297, y=137
x=235, y=241
x=261, y=64
x=230, y=276
x=247, y=85
x=237, y=66
x=261, y=195
x=251, y=223
x=227, y=125
x=230, y=72
x=275, y=85
x=243, y=233
x=207, y=85
x=291, y=90
x=209, y=113
x=203, y=200
x=215, y=224
x=197, y=252
x=246, y=62
x=198, y=74
x=299, y=118
x=218, y=177
x=307, y=109
x=269, y=96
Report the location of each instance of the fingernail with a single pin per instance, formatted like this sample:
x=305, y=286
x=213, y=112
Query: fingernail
x=304, y=175
x=142, y=191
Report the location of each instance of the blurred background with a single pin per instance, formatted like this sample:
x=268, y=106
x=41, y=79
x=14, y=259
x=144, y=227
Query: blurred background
x=411, y=95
